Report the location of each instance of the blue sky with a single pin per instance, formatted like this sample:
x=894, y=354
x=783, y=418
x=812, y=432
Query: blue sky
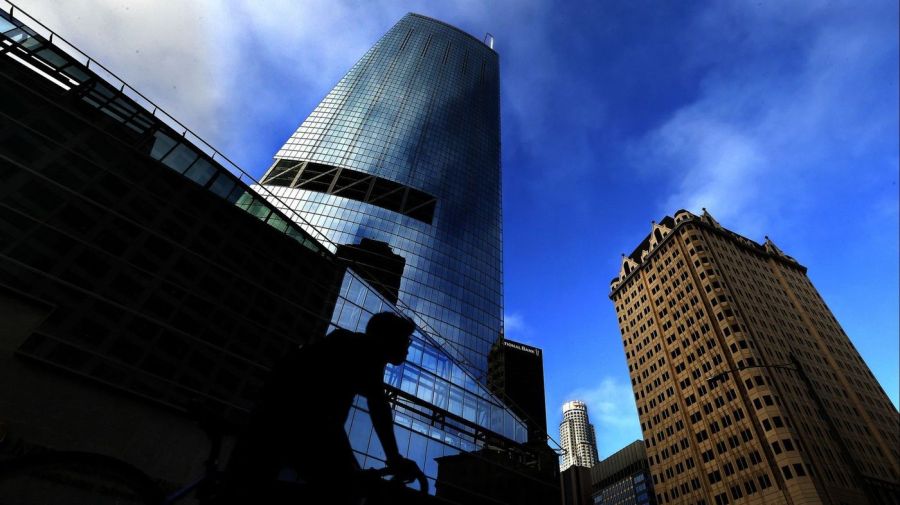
x=779, y=117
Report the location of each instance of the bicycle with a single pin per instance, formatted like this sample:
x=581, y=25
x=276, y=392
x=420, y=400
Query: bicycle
x=369, y=485
x=74, y=478
x=49, y=477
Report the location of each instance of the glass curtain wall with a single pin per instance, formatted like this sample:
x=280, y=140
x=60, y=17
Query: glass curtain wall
x=406, y=150
x=441, y=407
x=424, y=430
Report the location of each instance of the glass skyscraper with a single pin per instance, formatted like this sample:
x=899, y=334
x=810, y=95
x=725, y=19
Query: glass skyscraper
x=174, y=276
x=130, y=289
x=406, y=150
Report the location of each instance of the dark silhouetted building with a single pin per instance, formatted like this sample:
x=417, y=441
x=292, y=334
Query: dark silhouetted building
x=528, y=475
x=794, y=415
x=490, y=476
x=575, y=485
x=623, y=478
x=141, y=270
x=137, y=274
x=516, y=374
x=377, y=264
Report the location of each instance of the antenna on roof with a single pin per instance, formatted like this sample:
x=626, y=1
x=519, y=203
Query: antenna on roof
x=489, y=40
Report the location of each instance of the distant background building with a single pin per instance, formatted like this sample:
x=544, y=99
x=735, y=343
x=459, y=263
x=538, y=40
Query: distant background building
x=796, y=416
x=516, y=374
x=623, y=478
x=490, y=476
x=579, y=443
x=575, y=485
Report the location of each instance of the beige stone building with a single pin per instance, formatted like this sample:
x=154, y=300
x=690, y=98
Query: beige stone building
x=747, y=388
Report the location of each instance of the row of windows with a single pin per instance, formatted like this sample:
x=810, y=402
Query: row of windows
x=648, y=373
x=397, y=114
x=686, y=382
x=799, y=340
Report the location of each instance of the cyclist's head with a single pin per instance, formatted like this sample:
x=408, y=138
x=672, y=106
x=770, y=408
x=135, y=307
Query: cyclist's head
x=394, y=331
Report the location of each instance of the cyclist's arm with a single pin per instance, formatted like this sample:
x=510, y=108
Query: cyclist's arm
x=380, y=412
x=382, y=421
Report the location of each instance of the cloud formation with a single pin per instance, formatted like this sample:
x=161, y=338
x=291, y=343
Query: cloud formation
x=770, y=114
x=515, y=327
x=612, y=411
x=760, y=139
x=160, y=48
x=513, y=323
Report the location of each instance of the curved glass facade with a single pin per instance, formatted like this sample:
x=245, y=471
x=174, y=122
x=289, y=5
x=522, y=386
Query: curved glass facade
x=440, y=410
x=443, y=215
x=406, y=150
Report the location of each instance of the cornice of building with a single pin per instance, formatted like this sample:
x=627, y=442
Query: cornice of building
x=624, y=462
x=667, y=228
x=460, y=30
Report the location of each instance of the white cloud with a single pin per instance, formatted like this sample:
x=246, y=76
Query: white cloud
x=516, y=328
x=513, y=323
x=202, y=60
x=610, y=403
x=613, y=413
x=229, y=69
x=160, y=48
x=721, y=164
x=768, y=129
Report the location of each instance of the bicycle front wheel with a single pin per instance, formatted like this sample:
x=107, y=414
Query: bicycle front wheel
x=74, y=478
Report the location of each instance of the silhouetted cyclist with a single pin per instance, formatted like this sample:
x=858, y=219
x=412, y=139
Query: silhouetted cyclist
x=298, y=426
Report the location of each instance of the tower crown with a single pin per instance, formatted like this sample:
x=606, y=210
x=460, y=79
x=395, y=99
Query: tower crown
x=661, y=231
x=709, y=317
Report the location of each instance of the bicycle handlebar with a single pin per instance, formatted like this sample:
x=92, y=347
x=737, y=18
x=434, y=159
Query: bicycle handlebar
x=421, y=479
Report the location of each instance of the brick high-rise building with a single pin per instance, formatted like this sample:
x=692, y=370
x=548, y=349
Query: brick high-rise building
x=747, y=388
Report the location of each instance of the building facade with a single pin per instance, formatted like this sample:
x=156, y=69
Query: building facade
x=377, y=264
x=516, y=374
x=141, y=270
x=405, y=149
x=489, y=476
x=576, y=433
x=747, y=388
x=623, y=478
x=128, y=286
x=575, y=485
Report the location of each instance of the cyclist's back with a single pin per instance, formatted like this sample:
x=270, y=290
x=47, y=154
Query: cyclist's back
x=299, y=421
